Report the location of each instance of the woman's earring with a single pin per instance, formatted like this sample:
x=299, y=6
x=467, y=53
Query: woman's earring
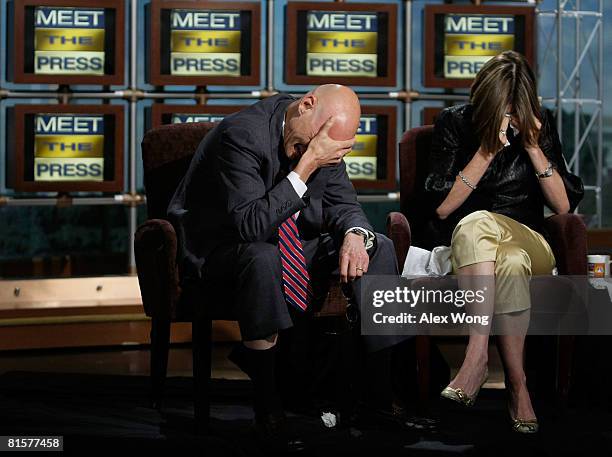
x=503, y=132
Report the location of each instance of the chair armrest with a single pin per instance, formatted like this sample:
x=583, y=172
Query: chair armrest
x=568, y=239
x=155, y=247
x=398, y=230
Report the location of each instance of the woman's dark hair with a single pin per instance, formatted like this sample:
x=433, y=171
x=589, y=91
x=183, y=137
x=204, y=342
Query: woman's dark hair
x=505, y=80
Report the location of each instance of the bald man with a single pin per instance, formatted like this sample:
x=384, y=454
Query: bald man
x=266, y=213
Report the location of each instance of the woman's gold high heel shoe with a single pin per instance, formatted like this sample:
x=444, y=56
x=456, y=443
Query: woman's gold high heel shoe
x=523, y=425
x=458, y=395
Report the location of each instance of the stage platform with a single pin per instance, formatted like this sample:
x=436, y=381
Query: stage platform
x=98, y=400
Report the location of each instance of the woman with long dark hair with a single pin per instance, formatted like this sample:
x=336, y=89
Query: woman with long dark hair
x=495, y=163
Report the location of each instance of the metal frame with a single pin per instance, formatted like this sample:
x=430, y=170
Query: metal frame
x=569, y=84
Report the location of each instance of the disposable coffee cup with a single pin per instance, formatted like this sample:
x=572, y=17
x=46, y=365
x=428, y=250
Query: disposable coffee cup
x=599, y=270
x=599, y=266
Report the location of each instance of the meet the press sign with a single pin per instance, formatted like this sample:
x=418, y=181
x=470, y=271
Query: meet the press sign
x=69, y=147
x=341, y=43
x=69, y=41
x=471, y=40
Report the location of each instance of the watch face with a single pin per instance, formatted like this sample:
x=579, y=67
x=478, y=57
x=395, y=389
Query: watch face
x=359, y=232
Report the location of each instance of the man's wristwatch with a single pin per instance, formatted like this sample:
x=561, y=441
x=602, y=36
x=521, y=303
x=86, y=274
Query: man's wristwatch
x=369, y=239
x=546, y=173
x=359, y=232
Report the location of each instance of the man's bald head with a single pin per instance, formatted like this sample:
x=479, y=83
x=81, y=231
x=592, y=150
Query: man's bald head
x=306, y=116
x=341, y=103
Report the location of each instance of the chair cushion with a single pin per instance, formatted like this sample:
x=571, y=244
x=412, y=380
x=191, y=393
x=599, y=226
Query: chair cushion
x=414, y=150
x=166, y=154
x=567, y=235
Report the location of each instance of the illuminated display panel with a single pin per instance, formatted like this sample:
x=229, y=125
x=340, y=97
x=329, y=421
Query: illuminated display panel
x=459, y=39
x=371, y=163
x=172, y=114
x=203, y=43
x=68, y=42
x=65, y=148
x=346, y=43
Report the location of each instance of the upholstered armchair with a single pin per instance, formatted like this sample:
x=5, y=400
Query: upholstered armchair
x=166, y=154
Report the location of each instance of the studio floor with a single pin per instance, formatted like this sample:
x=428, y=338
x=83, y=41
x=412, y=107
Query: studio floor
x=98, y=400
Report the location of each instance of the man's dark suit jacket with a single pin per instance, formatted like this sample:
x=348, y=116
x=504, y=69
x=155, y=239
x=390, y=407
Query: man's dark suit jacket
x=235, y=190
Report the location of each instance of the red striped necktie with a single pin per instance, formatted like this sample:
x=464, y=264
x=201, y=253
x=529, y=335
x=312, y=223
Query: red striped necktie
x=296, y=280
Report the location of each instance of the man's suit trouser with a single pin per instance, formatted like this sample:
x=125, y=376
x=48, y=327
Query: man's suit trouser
x=245, y=279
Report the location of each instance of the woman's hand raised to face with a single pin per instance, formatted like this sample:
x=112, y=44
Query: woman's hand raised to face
x=488, y=156
x=534, y=136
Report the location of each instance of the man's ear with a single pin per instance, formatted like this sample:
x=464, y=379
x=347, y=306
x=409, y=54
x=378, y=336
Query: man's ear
x=307, y=103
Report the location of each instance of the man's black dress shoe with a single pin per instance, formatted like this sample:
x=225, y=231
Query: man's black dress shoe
x=274, y=435
x=270, y=426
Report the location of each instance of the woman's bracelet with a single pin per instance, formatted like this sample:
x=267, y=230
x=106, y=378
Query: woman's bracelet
x=466, y=181
x=547, y=173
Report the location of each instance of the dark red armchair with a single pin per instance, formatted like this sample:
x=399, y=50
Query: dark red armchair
x=568, y=241
x=166, y=154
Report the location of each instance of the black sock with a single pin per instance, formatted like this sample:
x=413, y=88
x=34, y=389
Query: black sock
x=377, y=374
x=260, y=366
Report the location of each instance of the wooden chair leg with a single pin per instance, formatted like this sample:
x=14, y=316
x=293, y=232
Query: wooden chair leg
x=160, y=342
x=423, y=357
x=201, y=337
x=565, y=348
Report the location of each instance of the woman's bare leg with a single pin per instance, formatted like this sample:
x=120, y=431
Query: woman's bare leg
x=479, y=276
x=511, y=349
